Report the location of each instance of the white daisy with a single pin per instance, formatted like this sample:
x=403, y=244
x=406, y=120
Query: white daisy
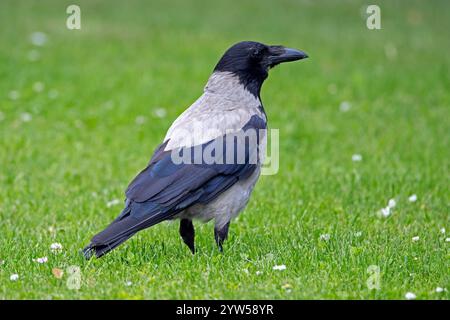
x=14, y=277
x=14, y=95
x=38, y=86
x=345, y=106
x=410, y=296
x=38, y=38
x=439, y=289
x=140, y=120
x=41, y=260
x=356, y=157
x=56, y=246
x=26, y=117
x=160, y=112
x=385, y=212
x=113, y=202
x=442, y=230
x=324, y=237
x=279, y=267
x=415, y=239
x=392, y=203
x=412, y=198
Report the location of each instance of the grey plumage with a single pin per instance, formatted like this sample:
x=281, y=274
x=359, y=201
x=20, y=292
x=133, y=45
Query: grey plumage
x=189, y=190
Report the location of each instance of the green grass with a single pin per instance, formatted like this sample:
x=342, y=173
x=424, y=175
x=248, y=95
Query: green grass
x=81, y=148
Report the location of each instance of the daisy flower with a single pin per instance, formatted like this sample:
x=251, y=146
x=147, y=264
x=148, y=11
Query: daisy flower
x=38, y=38
x=14, y=277
x=345, y=106
x=279, y=267
x=392, y=203
x=38, y=86
x=410, y=296
x=160, y=112
x=41, y=260
x=56, y=246
x=113, y=202
x=324, y=237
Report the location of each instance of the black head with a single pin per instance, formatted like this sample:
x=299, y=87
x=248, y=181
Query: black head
x=251, y=62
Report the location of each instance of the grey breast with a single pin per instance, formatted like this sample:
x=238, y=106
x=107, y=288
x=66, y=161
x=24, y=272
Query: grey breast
x=225, y=107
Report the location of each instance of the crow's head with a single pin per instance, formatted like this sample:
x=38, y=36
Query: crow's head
x=251, y=61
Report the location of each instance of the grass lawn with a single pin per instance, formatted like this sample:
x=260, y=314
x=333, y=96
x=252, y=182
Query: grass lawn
x=81, y=114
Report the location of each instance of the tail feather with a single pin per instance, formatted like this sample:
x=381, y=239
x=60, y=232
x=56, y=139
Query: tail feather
x=118, y=232
x=100, y=250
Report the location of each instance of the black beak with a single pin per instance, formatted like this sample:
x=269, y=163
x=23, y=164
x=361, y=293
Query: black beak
x=286, y=55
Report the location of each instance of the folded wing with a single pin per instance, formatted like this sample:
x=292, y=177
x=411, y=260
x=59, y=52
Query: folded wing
x=166, y=187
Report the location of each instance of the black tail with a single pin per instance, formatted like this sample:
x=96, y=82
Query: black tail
x=115, y=234
x=121, y=229
x=102, y=249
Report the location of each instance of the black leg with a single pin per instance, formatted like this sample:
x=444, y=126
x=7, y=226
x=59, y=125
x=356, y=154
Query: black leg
x=187, y=233
x=221, y=235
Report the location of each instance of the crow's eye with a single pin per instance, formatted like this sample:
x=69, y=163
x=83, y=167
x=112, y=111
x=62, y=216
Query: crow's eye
x=257, y=53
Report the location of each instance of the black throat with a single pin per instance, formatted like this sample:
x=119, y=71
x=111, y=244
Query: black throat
x=251, y=77
x=252, y=82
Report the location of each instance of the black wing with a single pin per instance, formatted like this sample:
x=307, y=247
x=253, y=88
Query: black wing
x=165, y=188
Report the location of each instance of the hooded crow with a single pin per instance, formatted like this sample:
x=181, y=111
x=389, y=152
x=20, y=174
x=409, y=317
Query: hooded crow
x=209, y=162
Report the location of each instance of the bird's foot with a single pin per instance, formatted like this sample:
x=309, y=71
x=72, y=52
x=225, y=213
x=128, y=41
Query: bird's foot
x=187, y=233
x=220, y=235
